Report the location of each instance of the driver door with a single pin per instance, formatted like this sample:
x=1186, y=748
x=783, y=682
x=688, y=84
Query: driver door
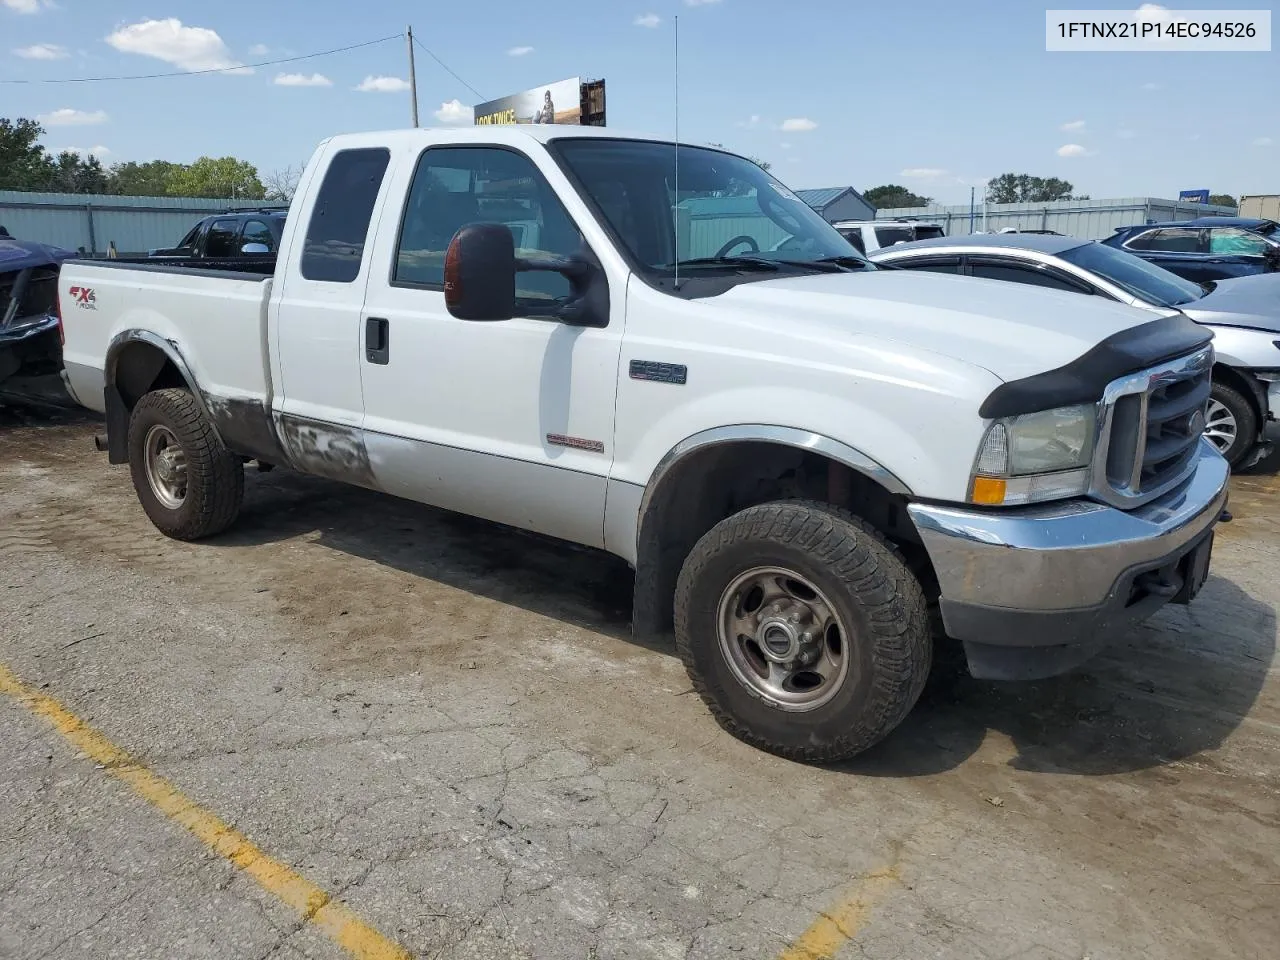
x=512, y=421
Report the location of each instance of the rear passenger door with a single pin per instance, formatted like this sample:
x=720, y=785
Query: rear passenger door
x=317, y=357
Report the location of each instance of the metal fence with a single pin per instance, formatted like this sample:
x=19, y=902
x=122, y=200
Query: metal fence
x=1087, y=219
x=95, y=223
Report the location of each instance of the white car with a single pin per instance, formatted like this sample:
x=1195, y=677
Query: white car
x=797, y=451
x=871, y=235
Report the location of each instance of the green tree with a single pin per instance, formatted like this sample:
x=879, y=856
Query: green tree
x=69, y=172
x=24, y=165
x=150, y=179
x=1223, y=199
x=218, y=177
x=1023, y=188
x=891, y=195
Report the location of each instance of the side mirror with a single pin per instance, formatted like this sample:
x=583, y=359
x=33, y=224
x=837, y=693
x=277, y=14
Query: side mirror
x=480, y=273
x=254, y=249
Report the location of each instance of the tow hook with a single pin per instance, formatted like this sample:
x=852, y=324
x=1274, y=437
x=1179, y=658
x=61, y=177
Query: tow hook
x=100, y=442
x=1225, y=516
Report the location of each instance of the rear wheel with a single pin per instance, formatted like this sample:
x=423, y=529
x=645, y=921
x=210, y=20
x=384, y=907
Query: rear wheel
x=802, y=630
x=186, y=480
x=1230, y=422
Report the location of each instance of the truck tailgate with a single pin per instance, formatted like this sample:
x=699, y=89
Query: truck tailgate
x=215, y=320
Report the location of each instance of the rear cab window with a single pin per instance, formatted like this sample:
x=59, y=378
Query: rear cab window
x=339, y=229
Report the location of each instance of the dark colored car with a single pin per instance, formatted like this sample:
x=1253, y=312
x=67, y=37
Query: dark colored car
x=30, y=340
x=1207, y=248
x=225, y=236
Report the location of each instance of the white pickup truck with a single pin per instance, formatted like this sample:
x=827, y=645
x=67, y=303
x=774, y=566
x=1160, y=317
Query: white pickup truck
x=803, y=456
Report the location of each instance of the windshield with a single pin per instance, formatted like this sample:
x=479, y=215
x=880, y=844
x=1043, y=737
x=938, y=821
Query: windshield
x=1146, y=281
x=728, y=210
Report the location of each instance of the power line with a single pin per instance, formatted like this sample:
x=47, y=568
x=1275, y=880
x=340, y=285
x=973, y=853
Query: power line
x=447, y=69
x=195, y=73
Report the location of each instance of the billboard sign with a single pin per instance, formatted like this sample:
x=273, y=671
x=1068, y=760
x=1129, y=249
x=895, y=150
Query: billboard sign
x=560, y=102
x=1194, y=196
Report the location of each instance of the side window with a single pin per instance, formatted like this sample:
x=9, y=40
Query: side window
x=221, y=239
x=455, y=186
x=888, y=236
x=1168, y=240
x=932, y=264
x=339, y=225
x=854, y=236
x=255, y=231
x=1019, y=273
x=1233, y=240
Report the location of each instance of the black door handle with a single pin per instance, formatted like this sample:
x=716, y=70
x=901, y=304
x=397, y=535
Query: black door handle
x=377, y=340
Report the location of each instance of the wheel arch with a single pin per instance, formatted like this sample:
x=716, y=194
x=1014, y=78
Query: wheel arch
x=1238, y=380
x=715, y=473
x=138, y=362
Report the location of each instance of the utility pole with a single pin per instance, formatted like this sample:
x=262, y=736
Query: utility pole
x=413, y=79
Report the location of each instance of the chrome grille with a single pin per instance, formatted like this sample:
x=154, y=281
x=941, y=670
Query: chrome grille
x=1149, y=429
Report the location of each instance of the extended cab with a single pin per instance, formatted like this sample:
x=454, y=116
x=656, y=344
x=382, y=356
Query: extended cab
x=800, y=453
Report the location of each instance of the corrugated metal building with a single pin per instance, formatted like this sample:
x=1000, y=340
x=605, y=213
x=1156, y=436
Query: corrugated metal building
x=92, y=221
x=838, y=203
x=1264, y=206
x=708, y=223
x=1087, y=219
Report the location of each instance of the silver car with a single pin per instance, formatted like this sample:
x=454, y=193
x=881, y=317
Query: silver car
x=1244, y=313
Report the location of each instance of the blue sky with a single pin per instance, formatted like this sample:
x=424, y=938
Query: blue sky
x=932, y=95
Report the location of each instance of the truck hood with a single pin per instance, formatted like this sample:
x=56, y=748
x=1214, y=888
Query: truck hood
x=1009, y=329
x=1252, y=302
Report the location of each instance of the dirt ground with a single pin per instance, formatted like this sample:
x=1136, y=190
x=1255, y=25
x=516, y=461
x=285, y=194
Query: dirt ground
x=446, y=725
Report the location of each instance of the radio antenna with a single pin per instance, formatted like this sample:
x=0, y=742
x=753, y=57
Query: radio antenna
x=675, y=207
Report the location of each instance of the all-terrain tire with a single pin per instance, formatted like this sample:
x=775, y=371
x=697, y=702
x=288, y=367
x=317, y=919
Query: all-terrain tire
x=1246, y=421
x=889, y=640
x=214, y=476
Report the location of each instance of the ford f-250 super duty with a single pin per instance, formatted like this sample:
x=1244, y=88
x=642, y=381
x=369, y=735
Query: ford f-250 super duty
x=800, y=453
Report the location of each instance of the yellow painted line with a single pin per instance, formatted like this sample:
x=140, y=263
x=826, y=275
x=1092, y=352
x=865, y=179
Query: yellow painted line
x=306, y=899
x=837, y=926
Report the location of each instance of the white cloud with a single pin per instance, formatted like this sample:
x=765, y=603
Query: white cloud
x=66, y=117
x=188, y=48
x=42, y=51
x=1127, y=134
x=649, y=20
x=785, y=146
x=259, y=50
x=382, y=85
x=798, y=125
x=1151, y=85
x=1153, y=13
x=1263, y=142
x=519, y=51
x=699, y=3
x=455, y=112
x=1073, y=150
x=751, y=121
x=922, y=173
x=302, y=80
x=98, y=151
x=1073, y=125
x=26, y=6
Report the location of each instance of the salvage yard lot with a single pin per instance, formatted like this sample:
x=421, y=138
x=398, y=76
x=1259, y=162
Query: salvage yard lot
x=447, y=727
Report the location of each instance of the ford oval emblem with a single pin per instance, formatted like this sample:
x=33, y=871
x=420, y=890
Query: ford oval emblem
x=1195, y=426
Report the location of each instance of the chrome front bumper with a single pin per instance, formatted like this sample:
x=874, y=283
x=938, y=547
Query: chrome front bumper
x=1058, y=577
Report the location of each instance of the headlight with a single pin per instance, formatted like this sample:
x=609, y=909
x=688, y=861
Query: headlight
x=1035, y=456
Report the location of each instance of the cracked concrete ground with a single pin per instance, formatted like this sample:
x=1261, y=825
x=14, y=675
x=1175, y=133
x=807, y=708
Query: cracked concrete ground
x=447, y=724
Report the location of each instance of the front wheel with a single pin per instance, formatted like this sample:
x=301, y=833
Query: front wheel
x=186, y=480
x=802, y=629
x=1230, y=423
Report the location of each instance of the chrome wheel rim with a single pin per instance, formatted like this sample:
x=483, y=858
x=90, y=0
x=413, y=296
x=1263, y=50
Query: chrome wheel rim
x=1220, y=425
x=166, y=465
x=783, y=639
